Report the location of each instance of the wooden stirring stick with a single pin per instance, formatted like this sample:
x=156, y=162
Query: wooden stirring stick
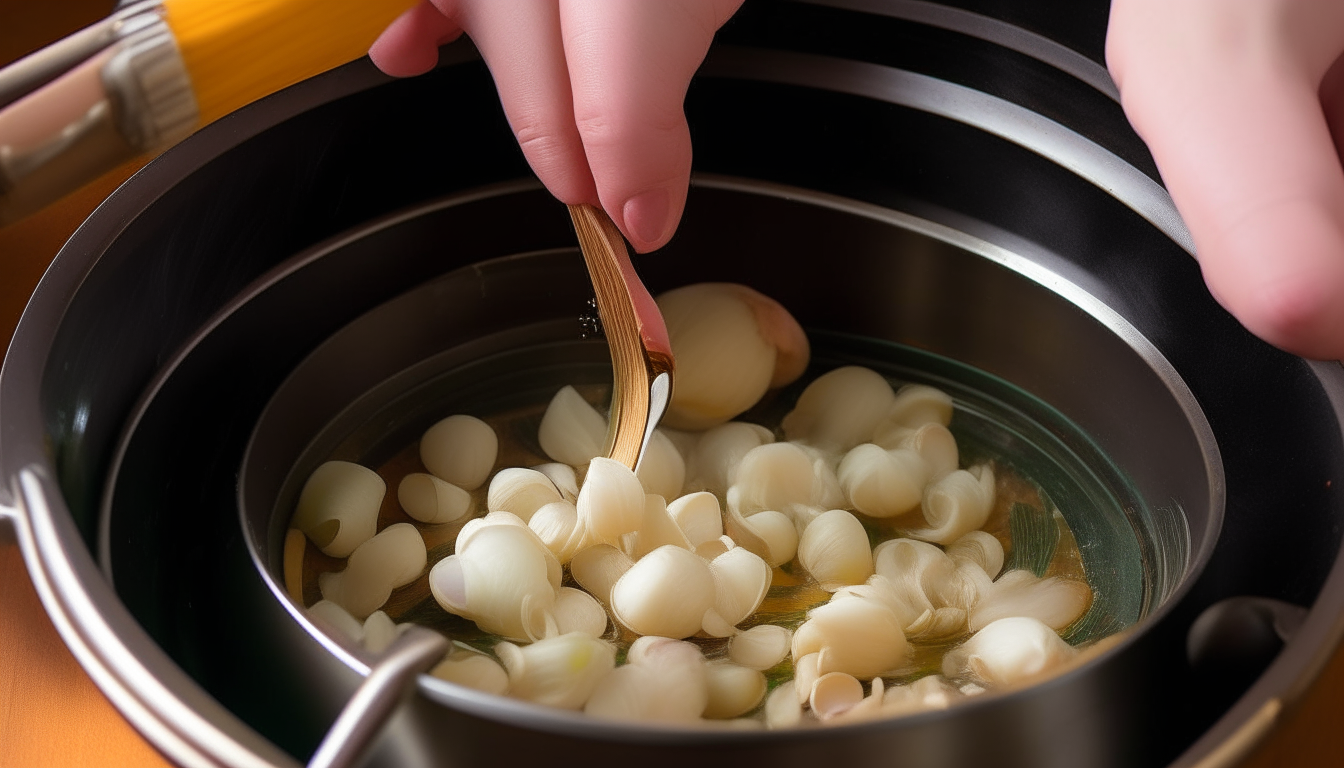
x=641, y=354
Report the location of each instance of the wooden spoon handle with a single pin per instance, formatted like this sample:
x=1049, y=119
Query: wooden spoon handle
x=640, y=350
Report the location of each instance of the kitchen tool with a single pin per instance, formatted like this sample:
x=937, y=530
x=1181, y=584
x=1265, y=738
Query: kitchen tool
x=641, y=355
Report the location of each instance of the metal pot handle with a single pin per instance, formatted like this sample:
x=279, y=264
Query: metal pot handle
x=148, y=688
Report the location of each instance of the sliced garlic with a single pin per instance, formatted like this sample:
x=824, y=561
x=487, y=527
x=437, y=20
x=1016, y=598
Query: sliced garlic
x=957, y=504
x=882, y=483
x=731, y=345
x=338, y=507
x=578, y=611
x=698, y=516
x=720, y=450
x=559, y=671
x=771, y=476
x=393, y=558
x=1053, y=601
x=1008, y=651
x=838, y=410
x=597, y=568
x=460, y=450
x=572, y=431
x=475, y=670
x=834, y=549
x=611, y=501
x=760, y=647
x=666, y=593
x=430, y=500
x=662, y=470
x=500, y=580
x=852, y=635
x=733, y=690
x=521, y=492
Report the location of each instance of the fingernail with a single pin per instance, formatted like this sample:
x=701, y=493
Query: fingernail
x=646, y=216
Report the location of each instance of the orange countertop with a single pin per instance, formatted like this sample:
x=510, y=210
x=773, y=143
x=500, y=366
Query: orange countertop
x=52, y=715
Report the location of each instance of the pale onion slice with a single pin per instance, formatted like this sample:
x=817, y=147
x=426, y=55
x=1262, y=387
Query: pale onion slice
x=461, y=450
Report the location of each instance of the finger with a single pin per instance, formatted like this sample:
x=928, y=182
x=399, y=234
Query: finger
x=630, y=63
x=1235, y=123
x=520, y=41
x=410, y=45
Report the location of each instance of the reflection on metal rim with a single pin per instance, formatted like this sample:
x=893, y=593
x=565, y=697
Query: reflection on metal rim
x=1005, y=119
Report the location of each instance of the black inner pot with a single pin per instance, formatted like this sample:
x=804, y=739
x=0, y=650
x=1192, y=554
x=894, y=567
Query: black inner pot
x=146, y=417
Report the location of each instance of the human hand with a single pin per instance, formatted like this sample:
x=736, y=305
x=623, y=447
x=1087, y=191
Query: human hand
x=1242, y=105
x=592, y=89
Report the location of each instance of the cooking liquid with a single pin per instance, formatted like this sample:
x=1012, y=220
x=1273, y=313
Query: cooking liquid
x=792, y=592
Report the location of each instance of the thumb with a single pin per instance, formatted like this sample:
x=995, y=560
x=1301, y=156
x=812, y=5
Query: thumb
x=1231, y=109
x=630, y=64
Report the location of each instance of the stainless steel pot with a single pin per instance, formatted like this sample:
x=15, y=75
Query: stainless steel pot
x=983, y=199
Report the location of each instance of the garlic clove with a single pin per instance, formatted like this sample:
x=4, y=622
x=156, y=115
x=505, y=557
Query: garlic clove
x=521, y=492
x=731, y=344
x=393, y=558
x=1008, y=651
x=936, y=625
x=380, y=631
x=777, y=534
x=1053, y=601
x=834, y=549
x=501, y=581
x=698, y=516
x=475, y=670
x=957, y=504
x=430, y=500
x=555, y=525
x=741, y=580
x=936, y=445
x=760, y=647
x=564, y=479
x=712, y=549
x=733, y=690
x=782, y=708
x=916, y=573
x=665, y=593
x=663, y=681
x=337, y=618
x=662, y=470
x=980, y=548
x=572, y=431
x=852, y=635
x=837, y=411
x=804, y=675
x=338, y=507
x=920, y=404
x=657, y=529
x=559, y=671
x=611, y=501
x=834, y=693
x=929, y=692
x=554, y=571
x=597, y=568
x=771, y=476
x=460, y=450
x=882, y=483
x=578, y=611
x=720, y=450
